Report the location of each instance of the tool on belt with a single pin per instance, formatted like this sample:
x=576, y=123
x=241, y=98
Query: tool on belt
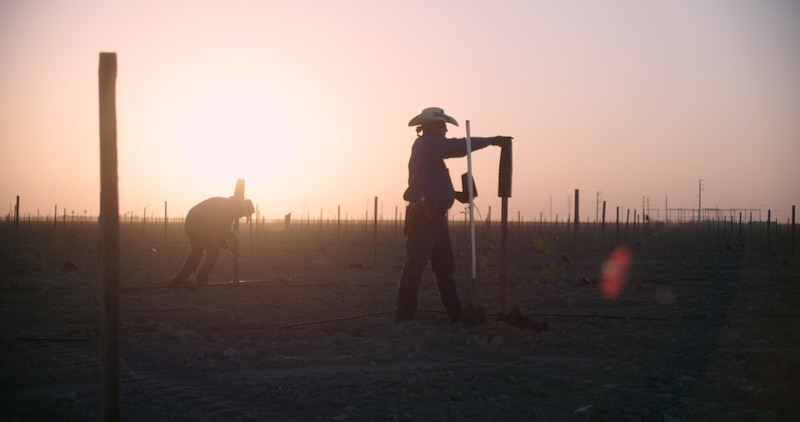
x=418, y=214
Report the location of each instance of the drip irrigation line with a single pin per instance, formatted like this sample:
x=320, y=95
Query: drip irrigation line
x=276, y=284
x=324, y=321
x=639, y=318
x=351, y=317
x=56, y=339
x=142, y=289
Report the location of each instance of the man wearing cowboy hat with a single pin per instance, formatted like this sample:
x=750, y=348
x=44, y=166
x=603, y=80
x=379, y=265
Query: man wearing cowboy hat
x=430, y=194
x=208, y=226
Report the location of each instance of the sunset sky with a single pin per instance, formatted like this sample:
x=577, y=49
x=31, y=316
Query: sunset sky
x=309, y=101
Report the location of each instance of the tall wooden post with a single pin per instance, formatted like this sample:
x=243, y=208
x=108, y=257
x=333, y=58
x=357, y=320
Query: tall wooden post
x=109, y=235
x=238, y=193
x=504, y=192
x=627, y=223
x=249, y=220
x=375, y=232
x=603, y=227
x=166, y=223
x=794, y=230
x=769, y=229
x=575, y=237
x=258, y=216
x=16, y=222
x=741, y=240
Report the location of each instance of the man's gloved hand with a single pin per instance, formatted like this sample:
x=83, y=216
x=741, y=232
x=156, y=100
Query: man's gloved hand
x=502, y=141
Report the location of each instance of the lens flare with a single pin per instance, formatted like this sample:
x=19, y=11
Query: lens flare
x=615, y=272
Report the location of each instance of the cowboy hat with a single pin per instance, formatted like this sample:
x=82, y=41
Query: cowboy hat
x=430, y=115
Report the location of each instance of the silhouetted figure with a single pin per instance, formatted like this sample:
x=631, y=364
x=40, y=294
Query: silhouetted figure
x=430, y=194
x=208, y=225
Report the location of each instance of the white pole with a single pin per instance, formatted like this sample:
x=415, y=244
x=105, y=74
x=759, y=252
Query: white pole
x=471, y=212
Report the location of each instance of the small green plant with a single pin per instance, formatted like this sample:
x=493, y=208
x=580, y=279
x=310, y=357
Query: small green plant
x=554, y=271
x=542, y=244
x=484, y=250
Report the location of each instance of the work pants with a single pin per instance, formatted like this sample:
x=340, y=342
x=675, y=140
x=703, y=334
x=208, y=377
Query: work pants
x=202, y=240
x=426, y=242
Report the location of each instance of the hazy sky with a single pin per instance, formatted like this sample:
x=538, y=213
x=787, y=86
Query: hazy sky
x=309, y=101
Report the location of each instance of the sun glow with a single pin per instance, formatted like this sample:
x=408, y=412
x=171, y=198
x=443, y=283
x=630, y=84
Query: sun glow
x=231, y=138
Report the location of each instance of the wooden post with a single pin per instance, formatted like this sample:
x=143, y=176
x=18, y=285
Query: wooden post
x=627, y=223
x=794, y=230
x=238, y=193
x=109, y=236
x=769, y=229
x=504, y=192
x=258, y=217
x=488, y=223
x=16, y=222
x=503, y=251
x=575, y=237
x=730, y=228
x=741, y=241
x=603, y=230
x=250, y=230
x=375, y=232
x=166, y=223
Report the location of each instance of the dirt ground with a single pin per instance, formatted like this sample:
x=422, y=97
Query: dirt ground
x=707, y=327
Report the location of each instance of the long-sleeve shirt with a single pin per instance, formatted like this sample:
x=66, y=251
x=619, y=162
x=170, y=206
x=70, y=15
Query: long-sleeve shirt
x=428, y=176
x=215, y=215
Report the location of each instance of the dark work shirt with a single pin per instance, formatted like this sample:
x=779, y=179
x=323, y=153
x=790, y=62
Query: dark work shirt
x=215, y=215
x=428, y=177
